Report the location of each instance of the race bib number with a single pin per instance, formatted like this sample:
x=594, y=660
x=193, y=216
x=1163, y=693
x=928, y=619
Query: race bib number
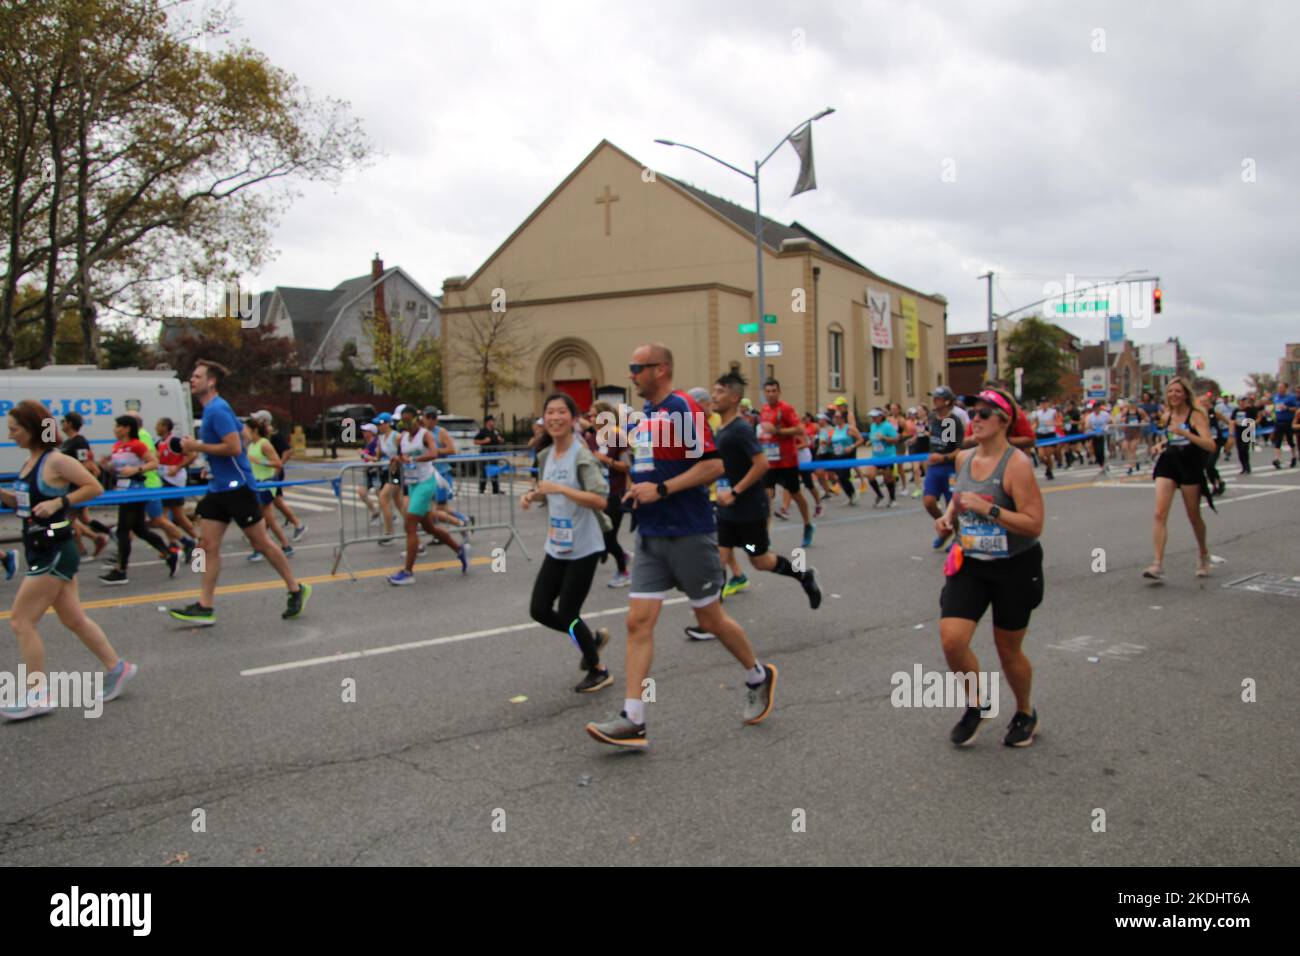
x=984, y=537
x=772, y=450
x=123, y=483
x=644, y=461
x=562, y=535
x=23, y=502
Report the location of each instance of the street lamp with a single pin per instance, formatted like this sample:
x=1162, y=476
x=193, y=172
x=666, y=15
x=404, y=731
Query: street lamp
x=758, y=220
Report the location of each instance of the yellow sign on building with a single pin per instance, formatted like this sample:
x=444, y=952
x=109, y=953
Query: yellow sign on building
x=911, y=327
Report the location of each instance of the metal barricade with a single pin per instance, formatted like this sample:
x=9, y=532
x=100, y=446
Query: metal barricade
x=467, y=508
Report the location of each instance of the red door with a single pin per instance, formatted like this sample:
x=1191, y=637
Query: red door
x=578, y=389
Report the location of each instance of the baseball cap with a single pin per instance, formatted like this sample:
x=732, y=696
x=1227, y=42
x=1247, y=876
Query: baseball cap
x=842, y=401
x=877, y=413
x=261, y=413
x=943, y=391
x=431, y=411
x=368, y=427
x=383, y=417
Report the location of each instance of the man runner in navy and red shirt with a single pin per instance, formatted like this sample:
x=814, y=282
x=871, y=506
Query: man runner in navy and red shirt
x=230, y=498
x=674, y=461
x=778, y=428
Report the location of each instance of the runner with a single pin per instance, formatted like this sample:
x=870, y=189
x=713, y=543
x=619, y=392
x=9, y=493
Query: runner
x=368, y=493
x=1221, y=425
x=882, y=436
x=919, y=416
x=997, y=561
x=742, y=504
x=266, y=464
x=906, y=432
x=49, y=485
x=131, y=459
x=284, y=451
x=569, y=479
x=230, y=497
x=423, y=483
x=154, y=511
x=445, y=489
x=844, y=440
x=390, y=495
x=778, y=431
x=1152, y=408
x=173, y=469
x=1134, y=419
x=1180, y=466
x=676, y=546
x=947, y=435
x=1284, y=409
x=1045, y=417
x=1099, y=422
x=76, y=446
x=1246, y=417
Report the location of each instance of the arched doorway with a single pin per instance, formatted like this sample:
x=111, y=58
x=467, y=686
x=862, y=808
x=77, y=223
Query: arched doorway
x=570, y=366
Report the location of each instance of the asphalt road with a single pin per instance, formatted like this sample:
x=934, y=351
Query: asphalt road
x=1138, y=687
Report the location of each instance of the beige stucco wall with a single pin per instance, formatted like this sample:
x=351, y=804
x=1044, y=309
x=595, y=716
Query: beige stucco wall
x=691, y=278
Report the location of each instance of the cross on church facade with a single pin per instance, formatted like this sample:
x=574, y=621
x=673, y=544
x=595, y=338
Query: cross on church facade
x=607, y=201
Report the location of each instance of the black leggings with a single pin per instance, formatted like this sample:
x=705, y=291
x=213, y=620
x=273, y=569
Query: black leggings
x=131, y=520
x=1243, y=454
x=845, y=476
x=614, y=508
x=569, y=581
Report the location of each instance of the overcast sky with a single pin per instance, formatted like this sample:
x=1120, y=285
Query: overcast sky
x=1088, y=138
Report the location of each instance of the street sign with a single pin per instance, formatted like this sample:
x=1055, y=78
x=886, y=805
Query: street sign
x=1117, y=330
x=747, y=328
x=770, y=319
x=751, y=349
x=1091, y=305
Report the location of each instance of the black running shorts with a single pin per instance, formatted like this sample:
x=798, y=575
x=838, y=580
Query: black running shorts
x=239, y=505
x=750, y=535
x=1013, y=586
x=787, y=478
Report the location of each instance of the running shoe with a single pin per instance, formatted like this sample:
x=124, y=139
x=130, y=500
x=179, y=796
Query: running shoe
x=817, y=511
x=759, y=700
x=187, y=549
x=173, y=561
x=401, y=578
x=601, y=634
x=463, y=554
x=852, y=502
x=1292, y=465
x=11, y=563
x=114, y=577
x=255, y=557
x=376, y=517
x=916, y=492
x=808, y=535
x=299, y=531
x=879, y=499
x=1278, y=464
x=595, y=680
x=968, y=728
x=891, y=504
x=422, y=548
x=36, y=704
x=468, y=532
x=288, y=551
x=782, y=513
x=1154, y=572
x=385, y=542
x=619, y=580
x=117, y=678
x=938, y=543
x=101, y=542
x=195, y=613
x=297, y=602
x=619, y=732
x=700, y=634
x=813, y=588
x=1022, y=729
x=1050, y=476
x=735, y=586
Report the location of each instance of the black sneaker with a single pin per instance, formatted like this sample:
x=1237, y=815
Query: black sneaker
x=595, y=680
x=173, y=561
x=968, y=728
x=812, y=587
x=297, y=601
x=114, y=577
x=601, y=634
x=1021, y=730
x=196, y=613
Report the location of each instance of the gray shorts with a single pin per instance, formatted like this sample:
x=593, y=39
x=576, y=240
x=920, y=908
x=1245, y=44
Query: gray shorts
x=690, y=563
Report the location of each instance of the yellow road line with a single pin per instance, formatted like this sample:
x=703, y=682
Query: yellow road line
x=271, y=585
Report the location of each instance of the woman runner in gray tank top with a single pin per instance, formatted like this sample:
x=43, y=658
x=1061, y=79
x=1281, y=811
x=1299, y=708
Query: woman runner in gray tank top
x=997, y=513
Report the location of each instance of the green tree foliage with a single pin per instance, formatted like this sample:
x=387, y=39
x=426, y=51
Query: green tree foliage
x=409, y=370
x=123, y=347
x=350, y=378
x=1035, y=346
x=259, y=360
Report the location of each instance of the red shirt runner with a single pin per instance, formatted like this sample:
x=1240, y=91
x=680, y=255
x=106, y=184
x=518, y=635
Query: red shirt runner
x=780, y=451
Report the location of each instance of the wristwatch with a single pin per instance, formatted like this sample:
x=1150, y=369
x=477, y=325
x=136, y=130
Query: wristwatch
x=663, y=490
x=994, y=512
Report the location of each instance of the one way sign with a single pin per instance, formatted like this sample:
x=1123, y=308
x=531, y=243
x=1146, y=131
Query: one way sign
x=751, y=349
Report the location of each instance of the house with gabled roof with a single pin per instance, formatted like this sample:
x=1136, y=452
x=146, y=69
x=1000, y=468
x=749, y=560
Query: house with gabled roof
x=619, y=254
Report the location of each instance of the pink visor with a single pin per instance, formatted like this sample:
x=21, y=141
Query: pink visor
x=993, y=398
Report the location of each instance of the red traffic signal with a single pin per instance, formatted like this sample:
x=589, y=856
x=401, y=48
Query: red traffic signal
x=1158, y=298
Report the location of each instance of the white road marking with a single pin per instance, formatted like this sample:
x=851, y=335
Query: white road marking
x=416, y=645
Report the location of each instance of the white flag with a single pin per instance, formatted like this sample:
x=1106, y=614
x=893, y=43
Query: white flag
x=801, y=140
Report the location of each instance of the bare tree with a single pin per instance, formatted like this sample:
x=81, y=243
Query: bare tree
x=489, y=345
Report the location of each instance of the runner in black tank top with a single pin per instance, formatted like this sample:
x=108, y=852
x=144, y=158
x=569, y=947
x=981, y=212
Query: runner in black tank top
x=1180, y=468
x=50, y=484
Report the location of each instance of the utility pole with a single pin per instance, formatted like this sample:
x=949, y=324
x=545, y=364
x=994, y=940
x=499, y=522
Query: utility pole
x=992, y=372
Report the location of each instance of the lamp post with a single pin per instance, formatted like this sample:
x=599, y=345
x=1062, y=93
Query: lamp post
x=758, y=221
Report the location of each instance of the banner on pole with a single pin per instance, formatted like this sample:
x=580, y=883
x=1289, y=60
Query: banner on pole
x=911, y=327
x=878, y=318
x=801, y=140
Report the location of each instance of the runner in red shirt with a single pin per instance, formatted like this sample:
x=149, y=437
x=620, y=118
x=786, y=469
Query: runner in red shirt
x=777, y=430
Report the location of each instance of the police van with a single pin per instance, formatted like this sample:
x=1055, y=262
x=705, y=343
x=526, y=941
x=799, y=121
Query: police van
x=98, y=396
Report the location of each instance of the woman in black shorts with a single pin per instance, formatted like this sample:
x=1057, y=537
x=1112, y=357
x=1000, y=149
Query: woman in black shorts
x=1180, y=466
x=997, y=512
x=49, y=487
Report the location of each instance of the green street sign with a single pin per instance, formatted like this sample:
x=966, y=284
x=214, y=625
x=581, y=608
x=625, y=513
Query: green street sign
x=1096, y=305
x=770, y=319
x=748, y=328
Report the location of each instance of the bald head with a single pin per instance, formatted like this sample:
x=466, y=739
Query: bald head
x=652, y=370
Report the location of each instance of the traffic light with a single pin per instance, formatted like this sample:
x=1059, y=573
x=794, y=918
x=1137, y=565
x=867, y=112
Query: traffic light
x=1158, y=298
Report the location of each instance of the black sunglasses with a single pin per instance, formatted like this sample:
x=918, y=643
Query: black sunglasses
x=986, y=413
x=635, y=368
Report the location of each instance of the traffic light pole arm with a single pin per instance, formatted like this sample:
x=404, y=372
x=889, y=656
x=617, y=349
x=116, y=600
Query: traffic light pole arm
x=1091, y=288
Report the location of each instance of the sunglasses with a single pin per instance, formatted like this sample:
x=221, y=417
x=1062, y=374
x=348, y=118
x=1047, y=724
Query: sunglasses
x=987, y=413
x=635, y=368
